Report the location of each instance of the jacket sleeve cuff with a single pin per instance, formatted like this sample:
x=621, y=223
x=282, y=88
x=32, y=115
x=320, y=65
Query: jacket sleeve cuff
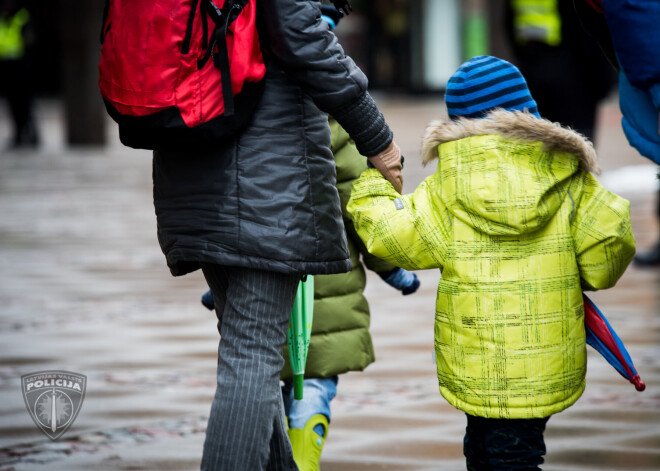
x=365, y=124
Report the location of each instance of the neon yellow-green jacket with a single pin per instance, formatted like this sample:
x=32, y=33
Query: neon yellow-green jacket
x=537, y=20
x=12, y=45
x=519, y=228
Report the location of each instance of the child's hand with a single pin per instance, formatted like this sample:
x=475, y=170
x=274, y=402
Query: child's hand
x=403, y=280
x=207, y=300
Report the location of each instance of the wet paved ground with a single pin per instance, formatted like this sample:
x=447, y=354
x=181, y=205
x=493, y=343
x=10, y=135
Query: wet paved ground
x=84, y=288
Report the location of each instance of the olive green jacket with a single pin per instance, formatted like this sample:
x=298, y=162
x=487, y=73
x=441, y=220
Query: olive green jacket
x=519, y=228
x=340, y=339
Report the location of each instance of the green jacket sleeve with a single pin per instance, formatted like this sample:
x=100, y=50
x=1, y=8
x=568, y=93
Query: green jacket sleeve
x=603, y=236
x=400, y=229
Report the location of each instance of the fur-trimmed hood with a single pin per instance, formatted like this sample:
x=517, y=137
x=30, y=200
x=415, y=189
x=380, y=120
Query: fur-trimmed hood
x=508, y=173
x=515, y=125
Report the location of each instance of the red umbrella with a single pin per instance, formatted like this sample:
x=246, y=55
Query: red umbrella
x=602, y=337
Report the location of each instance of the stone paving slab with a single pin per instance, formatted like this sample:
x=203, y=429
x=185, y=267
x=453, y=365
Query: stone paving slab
x=84, y=287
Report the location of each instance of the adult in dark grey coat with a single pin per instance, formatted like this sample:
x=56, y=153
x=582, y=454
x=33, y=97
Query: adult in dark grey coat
x=257, y=213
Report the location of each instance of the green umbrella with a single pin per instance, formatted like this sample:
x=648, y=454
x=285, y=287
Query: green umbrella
x=299, y=332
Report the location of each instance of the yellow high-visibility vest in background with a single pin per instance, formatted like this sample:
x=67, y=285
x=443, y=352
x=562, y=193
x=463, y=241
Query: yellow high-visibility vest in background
x=537, y=20
x=12, y=45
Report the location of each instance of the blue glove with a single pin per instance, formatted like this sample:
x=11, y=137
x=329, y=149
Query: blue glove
x=207, y=300
x=403, y=280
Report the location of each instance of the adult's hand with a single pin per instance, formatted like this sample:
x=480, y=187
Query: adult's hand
x=388, y=162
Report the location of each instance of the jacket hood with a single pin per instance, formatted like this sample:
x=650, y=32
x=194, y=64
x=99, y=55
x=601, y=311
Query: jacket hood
x=506, y=173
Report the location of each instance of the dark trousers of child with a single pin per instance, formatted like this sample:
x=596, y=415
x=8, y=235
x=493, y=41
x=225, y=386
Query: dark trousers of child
x=504, y=444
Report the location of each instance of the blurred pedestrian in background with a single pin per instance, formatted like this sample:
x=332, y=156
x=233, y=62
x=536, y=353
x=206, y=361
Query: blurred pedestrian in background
x=566, y=72
x=628, y=31
x=389, y=37
x=519, y=227
x=17, y=41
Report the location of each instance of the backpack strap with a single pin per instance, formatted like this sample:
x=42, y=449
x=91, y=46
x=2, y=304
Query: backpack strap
x=104, y=27
x=222, y=17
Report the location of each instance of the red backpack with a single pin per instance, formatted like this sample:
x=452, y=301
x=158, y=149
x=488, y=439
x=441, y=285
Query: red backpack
x=180, y=73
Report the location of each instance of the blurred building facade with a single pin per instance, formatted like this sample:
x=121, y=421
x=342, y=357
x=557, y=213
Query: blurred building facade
x=404, y=46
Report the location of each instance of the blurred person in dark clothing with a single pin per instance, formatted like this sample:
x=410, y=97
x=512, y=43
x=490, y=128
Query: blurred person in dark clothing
x=565, y=70
x=17, y=38
x=389, y=53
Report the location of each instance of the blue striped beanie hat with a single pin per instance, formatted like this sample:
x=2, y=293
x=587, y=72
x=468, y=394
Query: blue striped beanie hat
x=484, y=83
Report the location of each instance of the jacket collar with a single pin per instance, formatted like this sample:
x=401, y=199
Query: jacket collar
x=515, y=125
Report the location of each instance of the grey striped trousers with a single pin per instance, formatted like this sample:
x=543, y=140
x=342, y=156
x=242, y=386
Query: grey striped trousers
x=247, y=429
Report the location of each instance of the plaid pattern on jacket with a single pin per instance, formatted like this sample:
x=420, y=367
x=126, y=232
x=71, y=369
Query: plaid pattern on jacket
x=519, y=228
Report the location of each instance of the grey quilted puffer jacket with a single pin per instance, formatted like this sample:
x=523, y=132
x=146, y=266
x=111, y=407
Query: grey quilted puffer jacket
x=267, y=199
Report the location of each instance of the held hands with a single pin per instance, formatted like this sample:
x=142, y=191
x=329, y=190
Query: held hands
x=403, y=280
x=389, y=163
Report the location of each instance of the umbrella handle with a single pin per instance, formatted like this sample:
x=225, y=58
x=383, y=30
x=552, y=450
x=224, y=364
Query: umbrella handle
x=298, y=386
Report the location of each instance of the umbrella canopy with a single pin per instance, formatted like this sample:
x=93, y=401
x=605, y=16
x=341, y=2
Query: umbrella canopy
x=602, y=337
x=300, y=331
